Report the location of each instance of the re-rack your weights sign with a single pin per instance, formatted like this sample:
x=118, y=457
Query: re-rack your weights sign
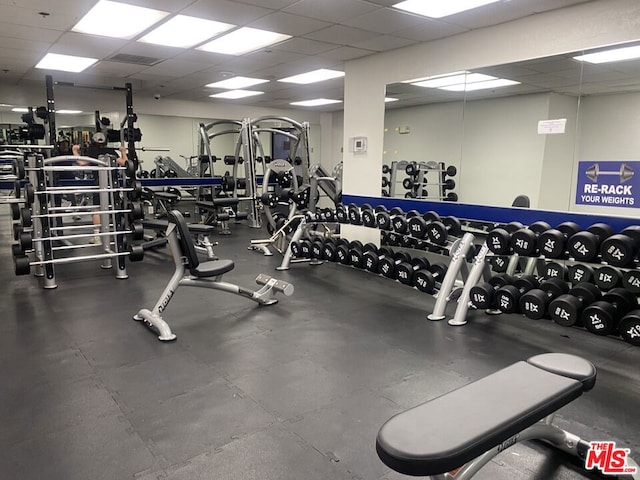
x=608, y=184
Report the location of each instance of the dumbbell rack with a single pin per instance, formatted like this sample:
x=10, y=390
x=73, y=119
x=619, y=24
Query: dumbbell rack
x=414, y=177
x=46, y=219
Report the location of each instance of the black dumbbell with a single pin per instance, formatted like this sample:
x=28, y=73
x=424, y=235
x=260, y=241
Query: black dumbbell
x=448, y=184
x=567, y=309
x=553, y=270
x=400, y=223
x=301, y=249
x=357, y=251
x=330, y=248
x=427, y=280
x=405, y=271
x=316, y=249
x=621, y=249
x=602, y=316
x=417, y=225
x=371, y=259
x=551, y=243
x=368, y=217
x=525, y=241
x=384, y=217
x=499, y=263
x=578, y=273
x=498, y=239
x=355, y=213
x=387, y=265
x=483, y=295
x=438, y=231
x=631, y=281
x=342, y=214
x=607, y=278
x=629, y=328
x=534, y=303
x=584, y=246
x=507, y=298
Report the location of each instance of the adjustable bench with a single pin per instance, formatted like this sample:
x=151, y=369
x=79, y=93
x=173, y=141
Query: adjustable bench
x=456, y=434
x=199, y=231
x=208, y=275
x=221, y=209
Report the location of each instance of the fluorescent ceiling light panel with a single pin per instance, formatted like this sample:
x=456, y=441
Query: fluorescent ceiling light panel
x=440, y=8
x=235, y=94
x=314, y=76
x=65, y=63
x=20, y=110
x=118, y=20
x=615, y=55
x=315, y=102
x=184, y=32
x=470, y=87
x=237, y=82
x=68, y=112
x=390, y=99
x=243, y=40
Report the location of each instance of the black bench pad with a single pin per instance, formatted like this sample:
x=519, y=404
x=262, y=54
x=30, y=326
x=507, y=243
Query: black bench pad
x=449, y=431
x=163, y=224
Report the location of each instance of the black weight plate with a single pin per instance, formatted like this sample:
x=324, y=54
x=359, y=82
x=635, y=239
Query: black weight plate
x=629, y=328
x=356, y=258
x=498, y=241
x=454, y=227
x=568, y=228
x=423, y=280
x=437, y=233
x=600, y=318
x=404, y=273
x=513, y=227
x=507, y=298
x=412, y=213
x=618, y=250
x=383, y=219
x=602, y=230
x=499, y=264
x=523, y=242
x=431, y=216
x=625, y=301
x=631, y=281
x=481, y=295
x=553, y=270
x=580, y=273
x=369, y=219
x=396, y=211
x=551, y=243
x=565, y=310
x=417, y=227
x=342, y=254
x=400, y=224
x=607, y=278
x=370, y=261
x=534, y=304
x=387, y=267
x=583, y=246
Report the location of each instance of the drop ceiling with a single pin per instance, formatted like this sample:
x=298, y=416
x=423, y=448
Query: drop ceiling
x=325, y=34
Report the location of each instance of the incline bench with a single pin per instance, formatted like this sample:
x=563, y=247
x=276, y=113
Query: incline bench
x=456, y=434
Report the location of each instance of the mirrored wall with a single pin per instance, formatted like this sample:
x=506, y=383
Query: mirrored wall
x=529, y=128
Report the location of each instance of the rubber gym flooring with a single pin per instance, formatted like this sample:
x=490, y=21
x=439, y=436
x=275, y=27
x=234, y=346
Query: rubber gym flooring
x=297, y=390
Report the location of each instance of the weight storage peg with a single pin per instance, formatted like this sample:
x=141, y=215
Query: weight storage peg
x=534, y=303
x=621, y=249
x=387, y=266
x=602, y=316
x=405, y=271
x=439, y=230
x=629, y=328
x=427, y=280
x=524, y=242
x=507, y=298
x=584, y=246
x=482, y=296
x=567, y=309
x=498, y=239
x=551, y=243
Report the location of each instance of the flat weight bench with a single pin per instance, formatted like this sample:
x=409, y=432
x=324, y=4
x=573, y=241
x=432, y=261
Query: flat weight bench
x=456, y=434
x=207, y=275
x=222, y=209
x=200, y=231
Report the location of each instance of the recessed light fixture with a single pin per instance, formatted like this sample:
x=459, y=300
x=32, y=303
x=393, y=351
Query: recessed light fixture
x=65, y=63
x=237, y=82
x=69, y=112
x=235, y=94
x=184, y=31
x=463, y=82
x=613, y=55
x=118, y=20
x=390, y=99
x=315, y=102
x=243, y=40
x=314, y=76
x=20, y=109
x=440, y=8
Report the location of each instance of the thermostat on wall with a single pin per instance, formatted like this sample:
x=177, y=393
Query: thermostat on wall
x=359, y=144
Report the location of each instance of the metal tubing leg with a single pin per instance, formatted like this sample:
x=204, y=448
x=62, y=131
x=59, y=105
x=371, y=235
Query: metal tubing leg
x=297, y=235
x=458, y=258
x=477, y=272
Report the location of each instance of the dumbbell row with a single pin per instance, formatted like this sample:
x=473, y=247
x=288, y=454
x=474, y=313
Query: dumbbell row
x=417, y=272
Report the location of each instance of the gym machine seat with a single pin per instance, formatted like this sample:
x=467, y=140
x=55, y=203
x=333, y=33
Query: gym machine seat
x=207, y=274
x=464, y=429
x=521, y=201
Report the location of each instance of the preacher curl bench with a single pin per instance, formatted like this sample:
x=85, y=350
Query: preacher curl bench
x=207, y=275
x=456, y=434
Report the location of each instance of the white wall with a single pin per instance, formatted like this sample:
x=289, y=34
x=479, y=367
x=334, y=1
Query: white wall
x=588, y=25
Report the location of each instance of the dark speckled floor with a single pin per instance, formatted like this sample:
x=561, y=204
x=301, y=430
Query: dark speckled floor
x=293, y=391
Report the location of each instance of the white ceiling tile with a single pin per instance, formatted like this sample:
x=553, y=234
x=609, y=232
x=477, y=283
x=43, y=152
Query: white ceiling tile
x=288, y=23
x=275, y=4
x=305, y=46
x=150, y=50
x=206, y=58
x=347, y=53
x=31, y=45
x=491, y=14
x=116, y=68
x=171, y=6
x=383, y=43
x=385, y=20
x=341, y=35
x=29, y=17
x=335, y=11
x=28, y=33
x=174, y=68
x=226, y=11
x=82, y=45
x=430, y=30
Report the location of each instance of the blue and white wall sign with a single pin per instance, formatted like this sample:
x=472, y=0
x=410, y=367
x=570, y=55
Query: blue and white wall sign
x=609, y=184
